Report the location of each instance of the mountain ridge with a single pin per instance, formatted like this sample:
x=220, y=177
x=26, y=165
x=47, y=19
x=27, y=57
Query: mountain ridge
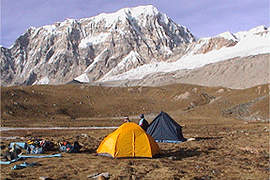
x=106, y=47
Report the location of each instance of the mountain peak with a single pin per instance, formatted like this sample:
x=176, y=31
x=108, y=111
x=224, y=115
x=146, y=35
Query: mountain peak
x=123, y=14
x=227, y=35
x=251, y=32
x=134, y=11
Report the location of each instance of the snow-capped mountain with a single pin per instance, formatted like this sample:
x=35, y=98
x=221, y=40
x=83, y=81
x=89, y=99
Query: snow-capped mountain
x=68, y=50
x=126, y=45
x=205, y=51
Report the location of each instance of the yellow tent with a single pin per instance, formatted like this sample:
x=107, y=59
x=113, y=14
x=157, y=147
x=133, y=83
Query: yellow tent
x=129, y=140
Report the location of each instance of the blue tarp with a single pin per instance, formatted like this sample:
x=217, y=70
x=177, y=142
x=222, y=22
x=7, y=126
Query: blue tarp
x=38, y=156
x=24, y=165
x=30, y=156
x=8, y=162
x=21, y=144
x=168, y=141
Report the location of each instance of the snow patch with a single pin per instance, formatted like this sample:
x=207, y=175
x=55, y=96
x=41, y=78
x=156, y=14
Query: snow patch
x=82, y=78
x=93, y=40
x=123, y=14
x=49, y=28
x=166, y=50
x=131, y=60
x=132, y=57
x=44, y=80
x=55, y=55
x=242, y=34
x=164, y=18
x=96, y=60
x=227, y=35
x=254, y=42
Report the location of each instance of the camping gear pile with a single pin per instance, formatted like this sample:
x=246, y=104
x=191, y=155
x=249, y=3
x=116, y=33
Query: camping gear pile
x=35, y=146
x=67, y=147
x=38, y=146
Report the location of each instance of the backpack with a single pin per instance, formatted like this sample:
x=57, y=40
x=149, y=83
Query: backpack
x=38, y=146
x=67, y=147
x=32, y=149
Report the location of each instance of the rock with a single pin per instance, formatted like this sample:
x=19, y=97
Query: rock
x=191, y=139
x=133, y=177
x=185, y=95
x=85, y=135
x=43, y=178
x=220, y=90
x=172, y=158
x=99, y=175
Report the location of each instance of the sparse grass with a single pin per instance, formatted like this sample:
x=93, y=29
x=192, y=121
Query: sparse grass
x=226, y=147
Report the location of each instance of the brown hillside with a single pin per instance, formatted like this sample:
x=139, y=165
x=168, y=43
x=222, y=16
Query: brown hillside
x=54, y=105
x=230, y=130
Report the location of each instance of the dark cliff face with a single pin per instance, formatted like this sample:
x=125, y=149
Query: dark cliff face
x=7, y=66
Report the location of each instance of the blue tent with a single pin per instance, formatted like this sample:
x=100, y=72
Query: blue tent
x=164, y=129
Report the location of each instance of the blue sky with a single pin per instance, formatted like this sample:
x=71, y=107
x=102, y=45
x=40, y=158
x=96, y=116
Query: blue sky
x=203, y=18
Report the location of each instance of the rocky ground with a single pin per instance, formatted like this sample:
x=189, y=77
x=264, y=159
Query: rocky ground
x=229, y=127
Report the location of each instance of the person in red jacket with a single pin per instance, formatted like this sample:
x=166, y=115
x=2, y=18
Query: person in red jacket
x=143, y=123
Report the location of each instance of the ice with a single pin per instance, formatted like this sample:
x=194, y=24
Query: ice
x=92, y=40
x=132, y=59
x=122, y=14
x=96, y=60
x=228, y=35
x=256, y=41
x=82, y=78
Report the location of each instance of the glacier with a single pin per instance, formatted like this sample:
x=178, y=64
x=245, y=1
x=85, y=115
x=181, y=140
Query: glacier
x=253, y=42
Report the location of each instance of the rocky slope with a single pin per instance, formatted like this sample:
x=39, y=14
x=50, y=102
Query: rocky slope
x=58, y=53
x=236, y=73
x=128, y=45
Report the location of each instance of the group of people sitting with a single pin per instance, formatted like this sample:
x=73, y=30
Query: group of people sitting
x=143, y=122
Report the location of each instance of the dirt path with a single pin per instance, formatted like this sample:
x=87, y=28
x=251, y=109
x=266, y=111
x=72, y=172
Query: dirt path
x=50, y=128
